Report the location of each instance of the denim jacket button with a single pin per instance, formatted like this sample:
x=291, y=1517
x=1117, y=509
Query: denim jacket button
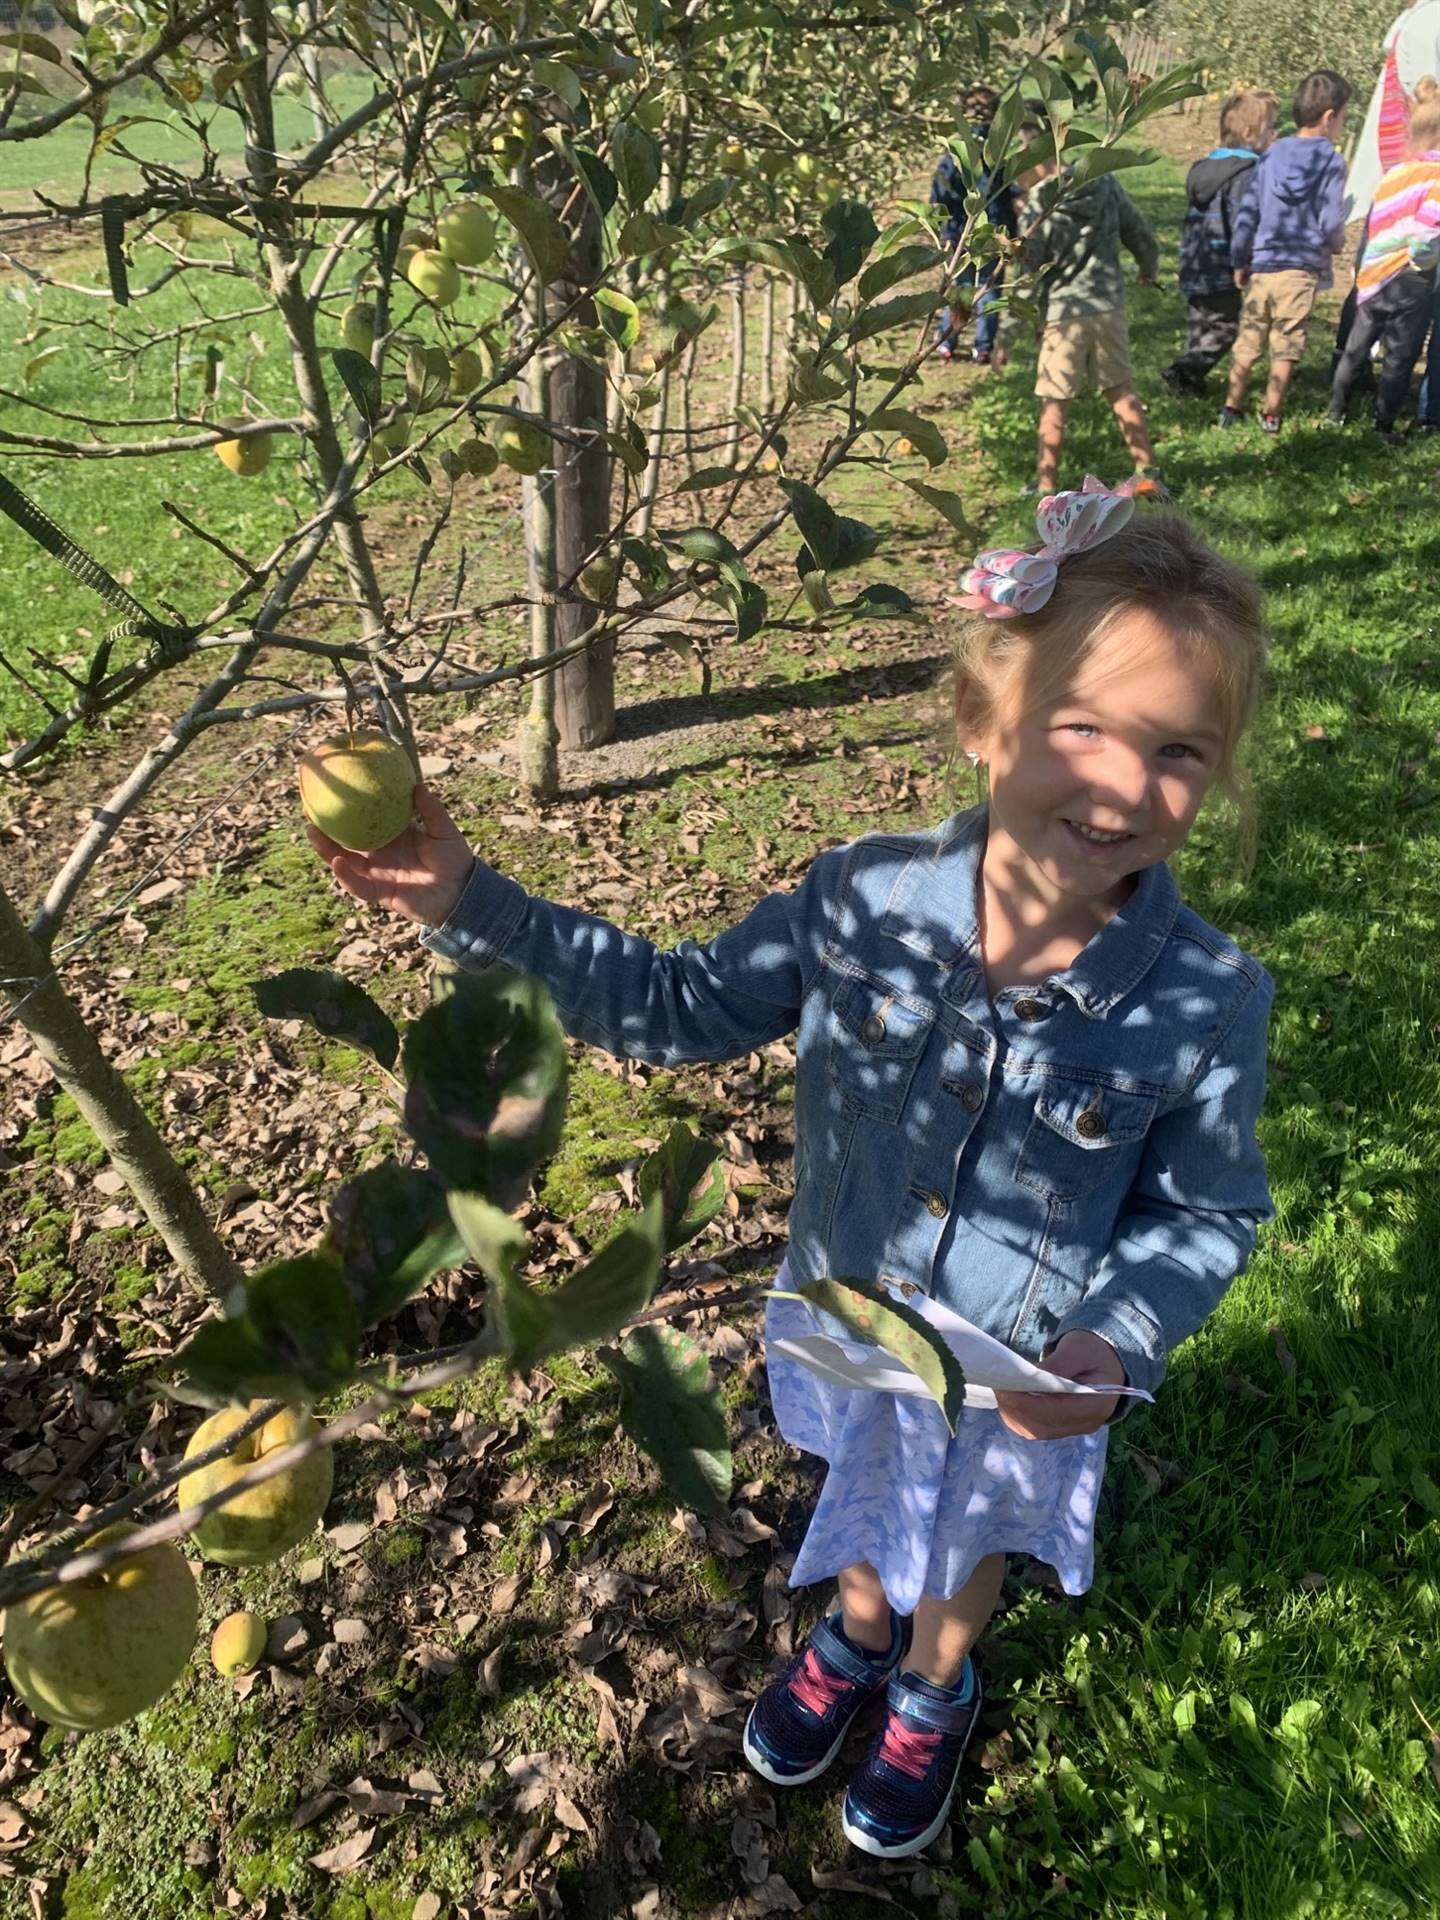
x=936, y=1203
x=1090, y=1123
x=971, y=1098
x=1029, y=1010
x=873, y=1031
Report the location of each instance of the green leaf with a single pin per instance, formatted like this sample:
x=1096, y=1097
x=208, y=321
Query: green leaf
x=485, y=1080
x=878, y=602
x=946, y=503
x=892, y=268
x=699, y=482
x=427, y=377
x=899, y=312
x=922, y=433
x=671, y=1410
x=558, y=79
x=832, y=541
x=853, y=233
x=619, y=316
x=612, y=1287
x=498, y=1244
x=35, y=44
x=705, y=199
x=297, y=1338
x=540, y=231
x=642, y=233
x=687, y=1172
x=635, y=157
x=629, y=447
x=597, y=179
x=362, y=382
x=1091, y=162
x=1001, y=132
x=704, y=544
x=333, y=1005
x=652, y=569
x=869, y=1312
x=393, y=1233
x=817, y=520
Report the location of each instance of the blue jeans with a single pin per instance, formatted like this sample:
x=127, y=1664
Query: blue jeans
x=986, y=313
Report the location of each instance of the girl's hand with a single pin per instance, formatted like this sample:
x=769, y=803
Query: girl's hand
x=421, y=874
x=1053, y=1416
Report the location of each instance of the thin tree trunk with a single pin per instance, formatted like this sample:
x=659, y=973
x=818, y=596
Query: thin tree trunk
x=584, y=691
x=659, y=421
x=163, y=1192
x=687, y=382
x=737, y=365
x=767, y=348
x=535, y=738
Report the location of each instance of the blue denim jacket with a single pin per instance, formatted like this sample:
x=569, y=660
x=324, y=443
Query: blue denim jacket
x=1078, y=1153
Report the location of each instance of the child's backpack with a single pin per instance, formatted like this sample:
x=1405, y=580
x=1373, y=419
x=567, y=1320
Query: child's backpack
x=1205, y=245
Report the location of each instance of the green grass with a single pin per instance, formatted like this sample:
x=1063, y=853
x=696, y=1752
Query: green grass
x=1232, y=1724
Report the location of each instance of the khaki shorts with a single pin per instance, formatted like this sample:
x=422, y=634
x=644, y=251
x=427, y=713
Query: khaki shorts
x=1077, y=356
x=1277, y=306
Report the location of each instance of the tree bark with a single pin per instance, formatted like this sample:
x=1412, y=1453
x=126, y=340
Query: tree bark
x=737, y=365
x=112, y=1112
x=584, y=686
x=767, y=348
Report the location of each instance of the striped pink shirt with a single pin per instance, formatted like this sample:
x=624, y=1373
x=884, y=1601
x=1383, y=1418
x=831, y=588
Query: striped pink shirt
x=1404, y=225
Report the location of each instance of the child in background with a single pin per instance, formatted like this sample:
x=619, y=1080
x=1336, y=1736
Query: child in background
x=1027, y=1079
x=1289, y=227
x=1214, y=190
x=1074, y=252
x=1395, y=281
x=948, y=190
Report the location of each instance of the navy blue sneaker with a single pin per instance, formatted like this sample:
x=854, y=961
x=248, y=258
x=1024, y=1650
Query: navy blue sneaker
x=899, y=1799
x=798, y=1724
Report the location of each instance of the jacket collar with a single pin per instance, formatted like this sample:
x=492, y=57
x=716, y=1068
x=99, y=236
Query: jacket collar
x=932, y=910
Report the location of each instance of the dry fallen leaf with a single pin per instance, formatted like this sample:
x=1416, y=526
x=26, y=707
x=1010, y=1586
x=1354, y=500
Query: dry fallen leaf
x=348, y=1854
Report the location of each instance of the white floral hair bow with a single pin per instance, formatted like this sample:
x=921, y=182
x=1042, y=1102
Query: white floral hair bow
x=1006, y=581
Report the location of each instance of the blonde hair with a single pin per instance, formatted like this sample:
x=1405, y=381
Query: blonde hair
x=1247, y=117
x=1423, y=129
x=1158, y=565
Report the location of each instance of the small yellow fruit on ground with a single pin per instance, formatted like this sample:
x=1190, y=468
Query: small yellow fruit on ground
x=266, y=1521
x=433, y=276
x=359, y=788
x=467, y=370
x=246, y=457
x=101, y=1650
x=237, y=1643
x=465, y=232
x=357, y=327
x=523, y=445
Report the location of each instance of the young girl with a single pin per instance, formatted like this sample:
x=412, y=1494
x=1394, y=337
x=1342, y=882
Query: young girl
x=1395, y=281
x=1027, y=1082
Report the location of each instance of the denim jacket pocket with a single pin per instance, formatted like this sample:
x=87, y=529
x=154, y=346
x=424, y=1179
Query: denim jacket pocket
x=1082, y=1135
x=875, y=1041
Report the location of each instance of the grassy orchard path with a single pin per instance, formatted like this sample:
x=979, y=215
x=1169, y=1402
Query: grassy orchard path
x=1233, y=1722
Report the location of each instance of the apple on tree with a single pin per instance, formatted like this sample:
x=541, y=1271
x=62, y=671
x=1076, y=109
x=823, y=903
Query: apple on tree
x=359, y=790
x=98, y=1651
x=266, y=1520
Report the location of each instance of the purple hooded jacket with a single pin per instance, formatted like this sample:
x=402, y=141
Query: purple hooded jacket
x=1291, y=216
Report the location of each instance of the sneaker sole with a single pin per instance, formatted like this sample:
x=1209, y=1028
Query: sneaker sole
x=767, y=1771
x=867, y=1843
x=902, y=1849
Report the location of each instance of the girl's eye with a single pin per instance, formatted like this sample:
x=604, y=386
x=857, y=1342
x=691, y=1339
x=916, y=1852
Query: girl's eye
x=1179, y=750
x=1085, y=728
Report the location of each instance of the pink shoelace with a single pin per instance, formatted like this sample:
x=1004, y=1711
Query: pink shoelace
x=816, y=1689
x=909, y=1750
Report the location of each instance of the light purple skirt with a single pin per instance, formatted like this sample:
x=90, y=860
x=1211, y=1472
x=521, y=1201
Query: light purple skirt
x=923, y=1507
